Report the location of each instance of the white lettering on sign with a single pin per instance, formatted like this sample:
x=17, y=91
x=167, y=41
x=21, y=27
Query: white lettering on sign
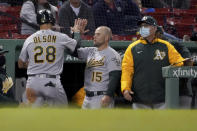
x=189, y=73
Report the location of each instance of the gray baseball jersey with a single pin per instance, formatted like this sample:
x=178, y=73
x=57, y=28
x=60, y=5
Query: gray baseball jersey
x=44, y=50
x=98, y=66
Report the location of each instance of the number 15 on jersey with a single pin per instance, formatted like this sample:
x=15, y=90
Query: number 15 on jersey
x=97, y=76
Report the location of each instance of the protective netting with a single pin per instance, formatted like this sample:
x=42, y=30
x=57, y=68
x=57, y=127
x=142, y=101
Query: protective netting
x=178, y=17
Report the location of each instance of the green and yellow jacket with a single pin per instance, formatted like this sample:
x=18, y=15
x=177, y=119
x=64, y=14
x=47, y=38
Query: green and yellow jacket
x=142, y=69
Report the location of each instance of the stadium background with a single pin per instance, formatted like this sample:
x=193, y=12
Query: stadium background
x=175, y=19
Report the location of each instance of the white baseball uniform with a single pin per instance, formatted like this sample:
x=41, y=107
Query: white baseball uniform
x=44, y=52
x=98, y=66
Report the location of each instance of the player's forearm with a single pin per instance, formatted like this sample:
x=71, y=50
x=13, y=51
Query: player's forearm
x=77, y=37
x=114, y=82
x=22, y=64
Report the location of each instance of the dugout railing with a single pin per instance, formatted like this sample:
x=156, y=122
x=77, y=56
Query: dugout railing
x=172, y=75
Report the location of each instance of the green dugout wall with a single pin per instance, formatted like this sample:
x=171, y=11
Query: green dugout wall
x=14, y=46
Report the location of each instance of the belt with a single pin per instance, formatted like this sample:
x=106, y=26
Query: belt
x=95, y=93
x=44, y=76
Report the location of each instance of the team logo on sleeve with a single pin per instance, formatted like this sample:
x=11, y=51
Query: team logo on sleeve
x=159, y=55
x=94, y=63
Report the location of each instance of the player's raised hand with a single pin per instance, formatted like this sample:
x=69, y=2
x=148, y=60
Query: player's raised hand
x=127, y=95
x=84, y=23
x=105, y=101
x=79, y=26
x=76, y=27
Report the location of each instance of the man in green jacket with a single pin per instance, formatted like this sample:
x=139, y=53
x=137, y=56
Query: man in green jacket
x=141, y=80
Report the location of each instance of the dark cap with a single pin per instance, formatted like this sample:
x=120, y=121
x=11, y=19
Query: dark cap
x=148, y=20
x=194, y=36
x=3, y=51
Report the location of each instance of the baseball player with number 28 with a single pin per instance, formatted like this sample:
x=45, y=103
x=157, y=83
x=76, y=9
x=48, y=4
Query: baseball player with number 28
x=44, y=53
x=102, y=72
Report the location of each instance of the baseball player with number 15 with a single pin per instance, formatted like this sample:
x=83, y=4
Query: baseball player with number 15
x=44, y=53
x=102, y=72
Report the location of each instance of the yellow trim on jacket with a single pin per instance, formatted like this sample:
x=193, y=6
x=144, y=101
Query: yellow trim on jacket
x=128, y=68
x=173, y=55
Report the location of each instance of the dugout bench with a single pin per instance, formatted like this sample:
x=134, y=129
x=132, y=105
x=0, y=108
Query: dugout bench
x=14, y=46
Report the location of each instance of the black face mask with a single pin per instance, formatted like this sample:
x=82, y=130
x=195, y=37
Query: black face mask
x=2, y=60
